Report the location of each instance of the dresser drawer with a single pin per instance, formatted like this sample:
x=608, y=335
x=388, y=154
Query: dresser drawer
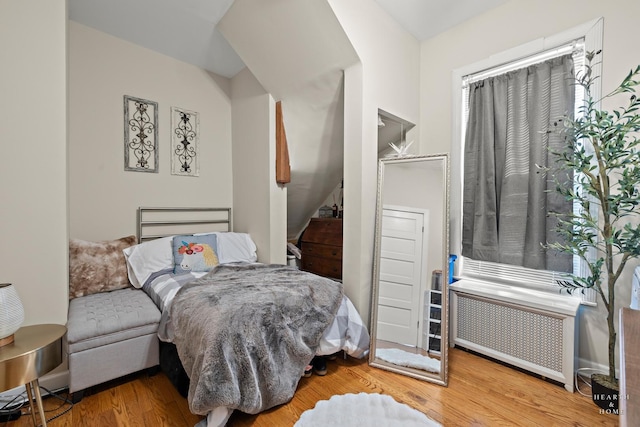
x=323, y=266
x=323, y=251
x=321, y=245
x=324, y=230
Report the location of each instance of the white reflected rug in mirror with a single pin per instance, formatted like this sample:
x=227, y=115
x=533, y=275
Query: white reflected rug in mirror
x=410, y=360
x=363, y=410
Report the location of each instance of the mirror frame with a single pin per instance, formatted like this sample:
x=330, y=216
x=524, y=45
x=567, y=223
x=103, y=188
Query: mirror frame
x=442, y=377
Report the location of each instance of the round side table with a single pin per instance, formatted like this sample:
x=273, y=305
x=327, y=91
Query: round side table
x=35, y=351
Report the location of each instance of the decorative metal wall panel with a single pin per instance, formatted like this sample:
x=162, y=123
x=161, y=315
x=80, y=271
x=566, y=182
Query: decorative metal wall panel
x=527, y=336
x=185, y=133
x=140, y=135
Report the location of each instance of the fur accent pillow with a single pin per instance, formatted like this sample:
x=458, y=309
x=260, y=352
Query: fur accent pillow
x=97, y=266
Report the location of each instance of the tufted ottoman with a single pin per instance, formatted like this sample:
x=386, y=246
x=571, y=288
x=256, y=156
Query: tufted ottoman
x=110, y=335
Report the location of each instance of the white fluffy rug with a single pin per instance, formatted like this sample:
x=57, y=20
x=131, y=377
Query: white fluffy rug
x=411, y=360
x=363, y=410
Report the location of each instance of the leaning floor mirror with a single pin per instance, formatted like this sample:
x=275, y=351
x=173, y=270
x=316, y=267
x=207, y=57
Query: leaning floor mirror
x=409, y=299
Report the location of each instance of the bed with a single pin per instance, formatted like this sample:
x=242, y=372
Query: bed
x=243, y=331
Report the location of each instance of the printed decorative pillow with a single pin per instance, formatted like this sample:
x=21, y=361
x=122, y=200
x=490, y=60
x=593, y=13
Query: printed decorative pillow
x=194, y=253
x=97, y=266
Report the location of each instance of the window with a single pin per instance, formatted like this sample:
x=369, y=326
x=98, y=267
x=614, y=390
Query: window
x=574, y=42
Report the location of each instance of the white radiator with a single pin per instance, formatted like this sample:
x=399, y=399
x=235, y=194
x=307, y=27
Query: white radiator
x=533, y=330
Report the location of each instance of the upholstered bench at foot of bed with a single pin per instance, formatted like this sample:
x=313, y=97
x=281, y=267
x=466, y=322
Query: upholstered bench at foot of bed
x=110, y=335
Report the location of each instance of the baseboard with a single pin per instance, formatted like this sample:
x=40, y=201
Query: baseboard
x=592, y=367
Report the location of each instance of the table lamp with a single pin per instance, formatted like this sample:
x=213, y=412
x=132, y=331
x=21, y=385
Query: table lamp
x=11, y=313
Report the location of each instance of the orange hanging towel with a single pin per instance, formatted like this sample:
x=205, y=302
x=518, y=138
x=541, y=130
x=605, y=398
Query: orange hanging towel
x=283, y=168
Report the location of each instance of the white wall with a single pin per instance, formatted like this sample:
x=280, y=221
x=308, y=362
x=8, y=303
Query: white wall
x=510, y=25
x=33, y=139
x=387, y=78
x=260, y=204
x=103, y=197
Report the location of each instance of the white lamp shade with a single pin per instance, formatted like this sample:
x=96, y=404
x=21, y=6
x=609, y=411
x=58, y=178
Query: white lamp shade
x=11, y=310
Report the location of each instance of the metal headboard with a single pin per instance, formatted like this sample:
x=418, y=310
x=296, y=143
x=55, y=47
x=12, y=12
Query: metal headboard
x=154, y=223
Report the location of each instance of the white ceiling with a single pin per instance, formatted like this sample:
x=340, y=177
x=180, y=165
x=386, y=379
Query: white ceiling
x=183, y=29
x=427, y=18
x=186, y=29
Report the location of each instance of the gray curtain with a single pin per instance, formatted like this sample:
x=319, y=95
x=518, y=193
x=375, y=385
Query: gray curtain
x=507, y=196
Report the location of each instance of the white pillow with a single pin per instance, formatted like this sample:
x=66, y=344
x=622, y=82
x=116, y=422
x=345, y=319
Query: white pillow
x=147, y=258
x=234, y=247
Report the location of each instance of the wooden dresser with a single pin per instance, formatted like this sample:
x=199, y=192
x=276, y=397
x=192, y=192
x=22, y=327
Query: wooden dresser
x=321, y=246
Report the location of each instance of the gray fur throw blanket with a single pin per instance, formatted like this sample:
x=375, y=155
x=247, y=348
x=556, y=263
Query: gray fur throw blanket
x=245, y=333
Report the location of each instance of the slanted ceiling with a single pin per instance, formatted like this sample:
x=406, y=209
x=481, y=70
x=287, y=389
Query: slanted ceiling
x=297, y=51
x=183, y=29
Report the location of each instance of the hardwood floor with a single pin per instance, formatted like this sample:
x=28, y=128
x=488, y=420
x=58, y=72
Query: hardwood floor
x=480, y=393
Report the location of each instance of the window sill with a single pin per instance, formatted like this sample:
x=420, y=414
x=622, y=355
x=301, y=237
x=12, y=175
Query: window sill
x=551, y=302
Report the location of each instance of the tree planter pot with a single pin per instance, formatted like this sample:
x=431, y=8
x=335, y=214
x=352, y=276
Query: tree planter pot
x=605, y=394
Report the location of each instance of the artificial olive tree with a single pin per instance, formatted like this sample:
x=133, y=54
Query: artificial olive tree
x=602, y=153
